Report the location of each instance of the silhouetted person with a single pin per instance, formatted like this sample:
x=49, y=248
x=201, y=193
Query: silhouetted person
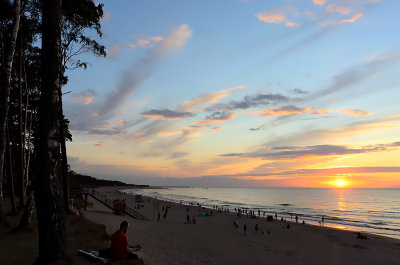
x=297, y=219
x=158, y=217
x=187, y=219
x=256, y=228
x=244, y=229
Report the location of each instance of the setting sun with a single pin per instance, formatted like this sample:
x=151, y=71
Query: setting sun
x=340, y=182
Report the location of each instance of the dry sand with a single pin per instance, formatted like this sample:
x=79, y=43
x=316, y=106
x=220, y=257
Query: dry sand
x=213, y=239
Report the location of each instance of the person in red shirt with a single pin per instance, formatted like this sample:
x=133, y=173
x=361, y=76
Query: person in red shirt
x=119, y=244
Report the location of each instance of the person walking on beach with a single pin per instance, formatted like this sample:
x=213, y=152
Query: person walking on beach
x=297, y=219
x=244, y=229
x=119, y=244
x=256, y=228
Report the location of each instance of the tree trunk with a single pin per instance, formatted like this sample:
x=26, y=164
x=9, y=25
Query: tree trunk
x=64, y=158
x=50, y=212
x=11, y=174
x=5, y=97
x=27, y=216
x=25, y=154
x=20, y=156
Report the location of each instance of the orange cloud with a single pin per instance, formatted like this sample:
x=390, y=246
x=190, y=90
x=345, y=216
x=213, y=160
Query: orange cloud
x=100, y=144
x=177, y=38
x=275, y=17
x=106, y=16
x=160, y=117
x=210, y=97
x=157, y=38
x=142, y=43
x=338, y=8
x=319, y=2
x=168, y=133
x=192, y=135
x=198, y=127
x=321, y=111
x=282, y=111
x=217, y=128
x=85, y=100
x=138, y=133
x=114, y=50
x=355, y=112
x=352, y=19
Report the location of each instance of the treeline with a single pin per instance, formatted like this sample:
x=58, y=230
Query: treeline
x=40, y=41
x=77, y=180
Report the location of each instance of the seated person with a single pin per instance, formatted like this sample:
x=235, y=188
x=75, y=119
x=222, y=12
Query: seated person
x=119, y=244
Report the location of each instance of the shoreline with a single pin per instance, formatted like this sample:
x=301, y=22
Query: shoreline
x=286, y=215
x=214, y=240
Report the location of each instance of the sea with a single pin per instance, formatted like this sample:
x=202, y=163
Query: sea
x=374, y=211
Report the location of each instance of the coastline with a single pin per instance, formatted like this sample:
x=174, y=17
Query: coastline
x=214, y=240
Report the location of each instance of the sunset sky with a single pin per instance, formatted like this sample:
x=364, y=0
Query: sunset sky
x=242, y=93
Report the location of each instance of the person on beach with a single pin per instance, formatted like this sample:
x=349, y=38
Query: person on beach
x=244, y=229
x=119, y=244
x=256, y=228
x=297, y=219
x=187, y=219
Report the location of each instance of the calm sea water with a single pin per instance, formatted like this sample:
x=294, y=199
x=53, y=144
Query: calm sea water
x=368, y=210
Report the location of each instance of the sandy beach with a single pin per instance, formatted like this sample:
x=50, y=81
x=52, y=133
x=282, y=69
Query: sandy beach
x=214, y=240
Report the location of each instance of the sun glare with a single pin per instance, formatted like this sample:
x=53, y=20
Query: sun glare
x=339, y=183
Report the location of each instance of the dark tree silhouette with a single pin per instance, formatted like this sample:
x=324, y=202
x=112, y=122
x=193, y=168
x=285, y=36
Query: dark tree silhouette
x=50, y=212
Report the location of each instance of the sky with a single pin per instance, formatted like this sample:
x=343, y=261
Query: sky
x=241, y=93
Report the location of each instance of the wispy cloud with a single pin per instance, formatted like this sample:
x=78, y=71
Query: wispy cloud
x=106, y=16
x=355, y=112
x=250, y=101
x=142, y=43
x=315, y=150
x=143, y=69
x=87, y=118
x=157, y=38
x=114, y=50
x=282, y=111
x=207, y=98
x=353, y=19
x=100, y=145
x=319, y=2
x=357, y=73
x=217, y=117
x=84, y=97
x=321, y=111
x=338, y=8
x=277, y=16
x=166, y=114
